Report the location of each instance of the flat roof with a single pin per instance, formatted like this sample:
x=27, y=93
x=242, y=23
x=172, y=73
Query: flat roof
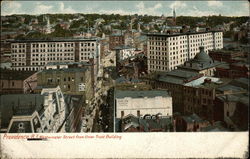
x=141, y=94
x=65, y=70
x=200, y=81
x=177, y=76
x=67, y=63
x=178, y=34
x=25, y=104
x=54, y=40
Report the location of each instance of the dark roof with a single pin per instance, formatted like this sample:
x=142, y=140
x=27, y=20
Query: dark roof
x=192, y=118
x=122, y=79
x=237, y=98
x=141, y=94
x=121, y=47
x=178, y=34
x=19, y=104
x=14, y=75
x=202, y=56
x=217, y=126
x=177, y=76
x=54, y=40
x=67, y=63
x=147, y=124
x=200, y=62
x=65, y=70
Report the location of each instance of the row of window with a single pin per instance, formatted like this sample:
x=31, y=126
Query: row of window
x=18, y=50
x=184, y=37
x=44, y=45
x=53, y=59
x=47, y=55
x=18, y=46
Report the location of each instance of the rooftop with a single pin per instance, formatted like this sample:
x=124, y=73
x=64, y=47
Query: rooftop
x=200, y=81
x=63, y=39
x=177, y=76
x=19, y=104
x=141, y=94
x=121, y=47
x=65, y=70
x=14, y=75
x=178, y=34
x=192, y=118
x=67, y=63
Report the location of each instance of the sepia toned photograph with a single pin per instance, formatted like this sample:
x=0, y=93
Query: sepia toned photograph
x=110, y=70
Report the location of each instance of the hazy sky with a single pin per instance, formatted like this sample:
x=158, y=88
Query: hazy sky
x=188, y=8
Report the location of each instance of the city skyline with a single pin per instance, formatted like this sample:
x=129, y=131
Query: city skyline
x=157, y=8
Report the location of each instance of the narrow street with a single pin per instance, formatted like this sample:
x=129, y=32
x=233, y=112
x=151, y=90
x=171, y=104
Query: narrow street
x=98, y=116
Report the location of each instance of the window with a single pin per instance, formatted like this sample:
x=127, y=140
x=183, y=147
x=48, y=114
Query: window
x=138, y=113
x=81, y=87
x=13, y=84
x=122, y=113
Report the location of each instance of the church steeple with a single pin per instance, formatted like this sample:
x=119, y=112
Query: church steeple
x=174, y=17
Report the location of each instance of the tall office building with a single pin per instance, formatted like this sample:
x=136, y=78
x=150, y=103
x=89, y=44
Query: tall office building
x=33, y=55
x=167, y=51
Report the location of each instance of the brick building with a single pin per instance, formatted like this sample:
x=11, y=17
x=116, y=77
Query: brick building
x=225, y=55
x=17, y=81
x=199, y=96
x=75, y=81
x=233, y=70
x=116, y=40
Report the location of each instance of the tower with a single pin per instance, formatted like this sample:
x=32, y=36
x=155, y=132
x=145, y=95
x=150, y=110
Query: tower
x=48, y=28
x=174, y=17
x=131, y=25
x=139, y=27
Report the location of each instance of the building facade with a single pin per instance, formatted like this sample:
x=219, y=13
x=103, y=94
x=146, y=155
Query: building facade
x=12, y=81
x=34, y=54
x=71, y=80
x=141, y=103
x=167, y=51
x=201, y=64
x=34, y=113
x=116, y=40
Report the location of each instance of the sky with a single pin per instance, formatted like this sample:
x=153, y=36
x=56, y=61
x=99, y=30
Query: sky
x=183, y=8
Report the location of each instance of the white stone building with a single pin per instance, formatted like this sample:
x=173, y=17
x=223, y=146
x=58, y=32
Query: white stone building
x=34, y=54
x=124, y=52
x=37, y=113
x=141, y=103
x=167, y=51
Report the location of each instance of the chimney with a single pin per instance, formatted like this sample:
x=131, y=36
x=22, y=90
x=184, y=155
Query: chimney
x=207, y=80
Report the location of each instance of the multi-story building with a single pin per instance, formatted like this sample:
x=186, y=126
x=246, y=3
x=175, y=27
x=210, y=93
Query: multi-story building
x=199, y=96
x=34, y=54
x=201, y=64
x=131, y=123
x=33, y=113
x=141, y=103
x=91, y=64
x=49, y=111
x=225, y=55
x=116, y=40
x=12, y=81
x=75, y=81
x=124, y=52
x=167, y=51
x=233, y=100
